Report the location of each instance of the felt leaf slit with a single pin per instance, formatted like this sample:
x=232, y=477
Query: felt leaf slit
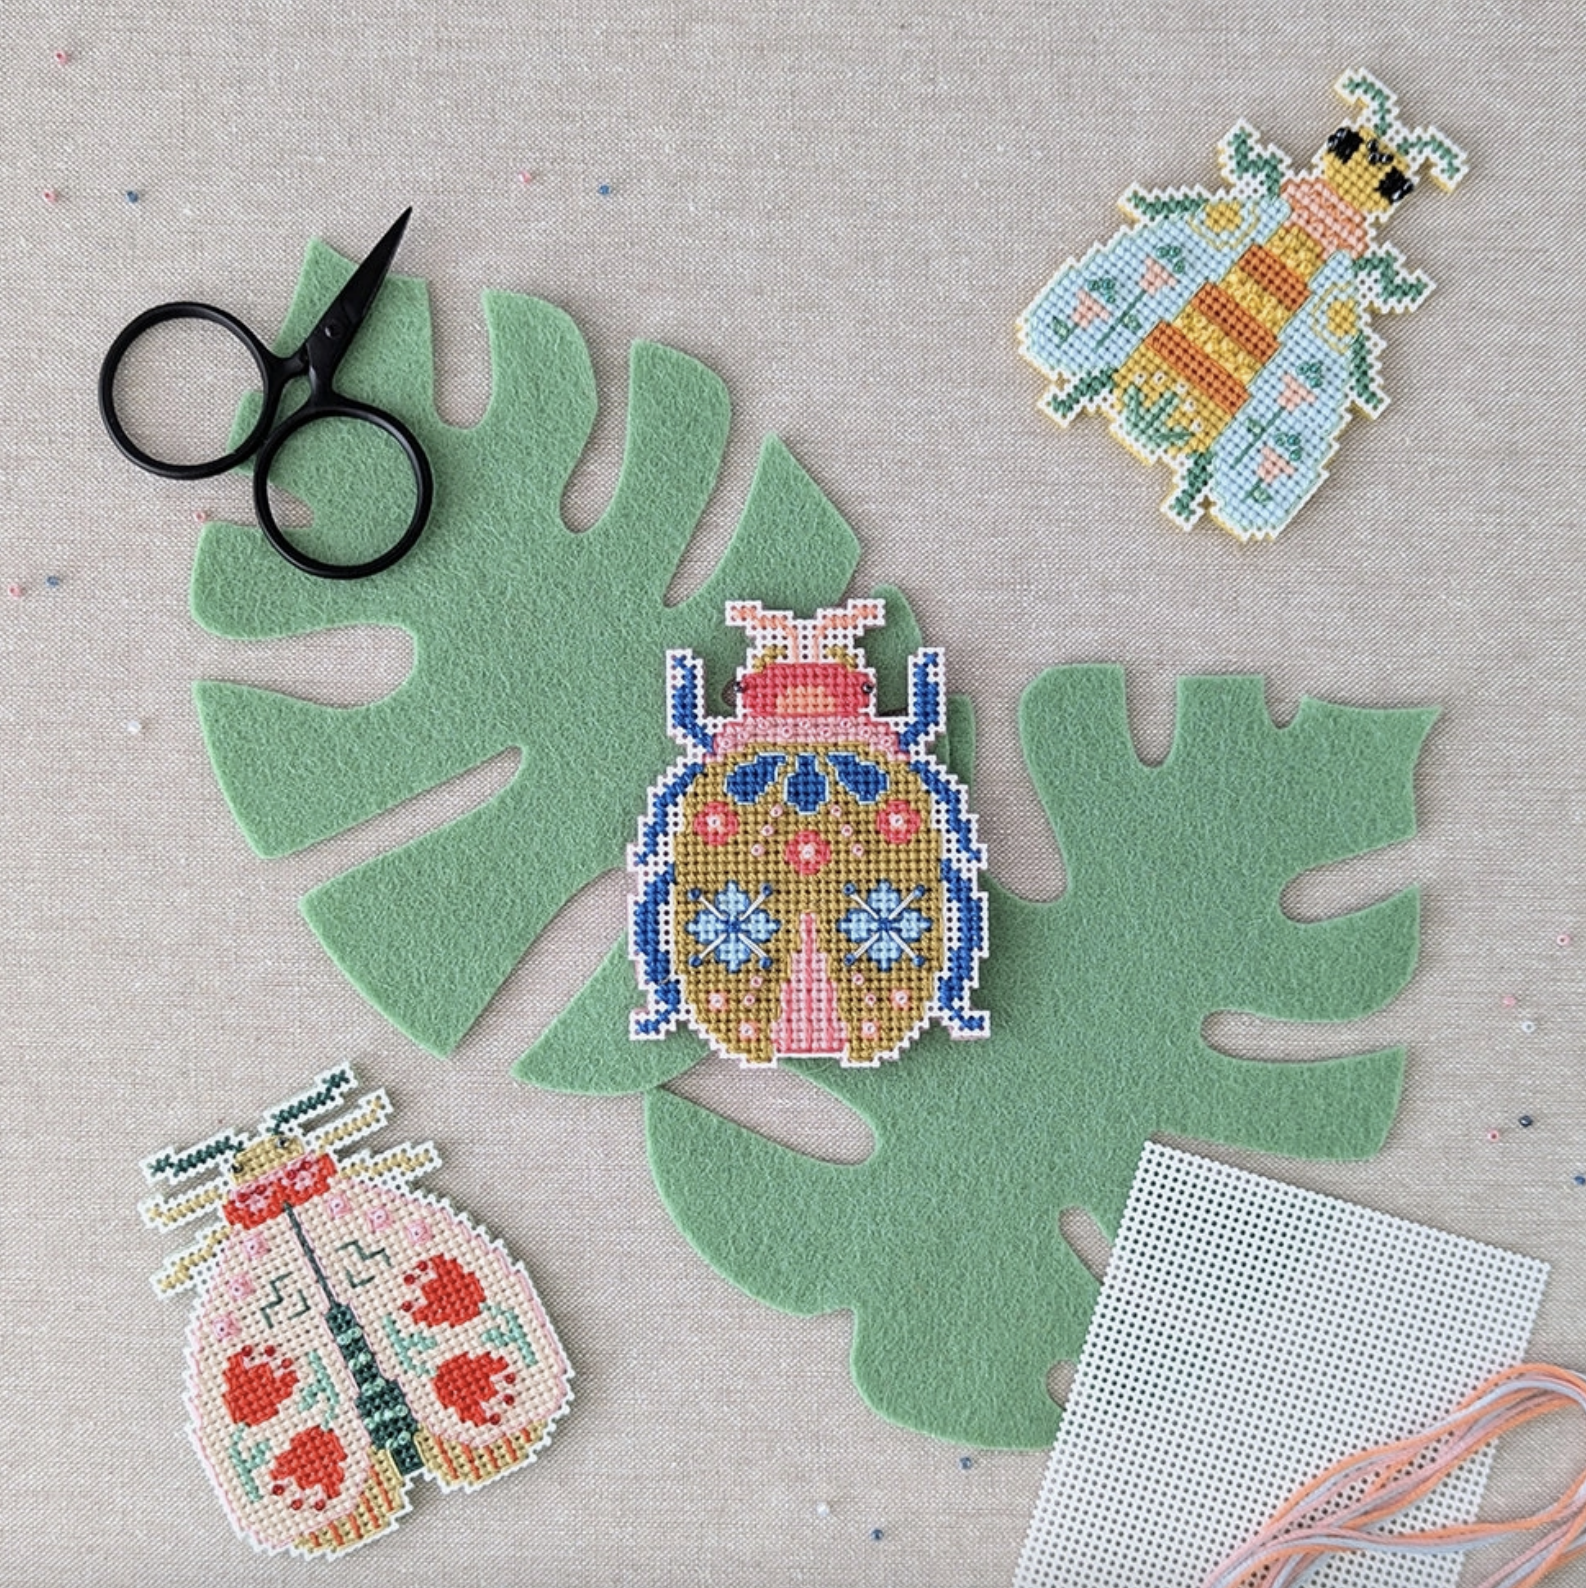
x=948, y=1243
x=526, y=636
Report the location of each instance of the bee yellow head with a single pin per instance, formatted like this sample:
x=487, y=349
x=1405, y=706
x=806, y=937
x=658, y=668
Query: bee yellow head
x=269, y=1152
x=1365, y=170
x=1372, y=162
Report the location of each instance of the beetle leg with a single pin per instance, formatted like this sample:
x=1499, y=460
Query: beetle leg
x=652, y=912
x=685, y=691
x=927, y=703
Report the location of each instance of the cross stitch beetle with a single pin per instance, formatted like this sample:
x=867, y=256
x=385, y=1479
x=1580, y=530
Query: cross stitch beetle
x=349, y=1331
x=1229, y=333
x=809, y=874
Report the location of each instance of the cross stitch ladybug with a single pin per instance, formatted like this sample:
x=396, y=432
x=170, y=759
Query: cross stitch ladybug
x=809, y=874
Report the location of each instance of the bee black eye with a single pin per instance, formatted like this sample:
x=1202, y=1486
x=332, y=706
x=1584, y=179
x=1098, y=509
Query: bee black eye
x=1377, y=155
x=1395, y=186
x=1344, y=143
x=867, y=688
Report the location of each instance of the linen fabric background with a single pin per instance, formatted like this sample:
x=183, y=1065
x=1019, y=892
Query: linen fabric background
x=842, y=210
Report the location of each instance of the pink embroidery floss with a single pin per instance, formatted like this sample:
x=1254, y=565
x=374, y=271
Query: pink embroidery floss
x=1347, y=1508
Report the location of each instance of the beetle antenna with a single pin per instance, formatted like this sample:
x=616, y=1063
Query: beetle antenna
x=849, y=622
x=1361, y=88
x=327, y=1088
x=762, y=625
x=174, y=1165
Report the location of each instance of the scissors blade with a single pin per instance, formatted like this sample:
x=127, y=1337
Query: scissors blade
x=353, y=302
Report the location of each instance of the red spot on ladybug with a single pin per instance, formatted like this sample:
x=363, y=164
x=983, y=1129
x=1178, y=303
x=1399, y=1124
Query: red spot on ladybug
x=451, y=1295
x=254, y=1390
x=897, y=821
x=316, y=1459
x=467, y=1385
x=715, y=823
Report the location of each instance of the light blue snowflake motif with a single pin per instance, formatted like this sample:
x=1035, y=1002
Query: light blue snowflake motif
x=731, y=924
x=884, y=925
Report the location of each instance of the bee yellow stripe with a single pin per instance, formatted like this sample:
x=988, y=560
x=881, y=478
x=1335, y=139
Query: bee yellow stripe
x=1236, y=322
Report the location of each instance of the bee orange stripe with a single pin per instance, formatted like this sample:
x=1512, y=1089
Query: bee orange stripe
x=1197, y=366
x=1272, y=275
x=1235, y=321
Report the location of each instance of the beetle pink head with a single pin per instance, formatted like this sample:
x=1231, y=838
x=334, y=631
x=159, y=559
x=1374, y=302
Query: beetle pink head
x=806, y=667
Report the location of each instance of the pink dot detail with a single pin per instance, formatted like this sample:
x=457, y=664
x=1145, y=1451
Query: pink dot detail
x=60, y=57
x=379, y=1218
x=1509, y=1000
x=859, y=851
x=419, y=1231
x=757, y=981
x=239, y=1287
x=525, y=177
x=859, y=980
x=718, y=1000
x=1564, y=940
x=870, y=1000
x=757, y=850
x=900, y=998
x=14, y=591
x=50, y=195
x=200, y=515
x=255, y=1245
x=336, y=1204
x=748, y=1030
x=224, y=1327
x=1492, y=1135
x=868, y=1028
x=748, y=1000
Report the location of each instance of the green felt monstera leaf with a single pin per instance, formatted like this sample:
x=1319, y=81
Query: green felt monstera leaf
x=526, y=636
x=945, y=1241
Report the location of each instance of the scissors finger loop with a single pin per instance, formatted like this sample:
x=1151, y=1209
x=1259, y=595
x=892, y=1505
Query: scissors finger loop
x=331, y=406
x=273, y=375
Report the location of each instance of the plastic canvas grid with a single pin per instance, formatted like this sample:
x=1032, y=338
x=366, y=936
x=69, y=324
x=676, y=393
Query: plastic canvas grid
x=1247, y=1334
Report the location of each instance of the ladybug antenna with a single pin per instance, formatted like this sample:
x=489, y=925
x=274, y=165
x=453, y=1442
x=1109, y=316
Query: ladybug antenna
x=322, y=1095
x=174, y=1165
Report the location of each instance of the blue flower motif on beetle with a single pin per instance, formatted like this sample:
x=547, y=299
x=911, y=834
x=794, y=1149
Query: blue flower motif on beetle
x=885, y=925
x=733, y=926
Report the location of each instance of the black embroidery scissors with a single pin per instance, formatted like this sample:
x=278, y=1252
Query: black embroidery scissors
x=316, y=361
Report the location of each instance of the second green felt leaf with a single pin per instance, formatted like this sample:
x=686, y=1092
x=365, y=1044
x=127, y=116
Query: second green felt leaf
x=945, y=1242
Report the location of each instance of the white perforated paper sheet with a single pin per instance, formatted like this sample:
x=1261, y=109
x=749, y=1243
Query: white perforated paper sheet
x=1247, y=1335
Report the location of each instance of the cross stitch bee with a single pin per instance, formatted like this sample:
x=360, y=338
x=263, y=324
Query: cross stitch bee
x=1229, y=333
x=809, y=874
x=349, y=1331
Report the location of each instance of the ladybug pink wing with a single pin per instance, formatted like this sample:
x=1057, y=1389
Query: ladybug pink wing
x=451, y=1318
x=274, y=1407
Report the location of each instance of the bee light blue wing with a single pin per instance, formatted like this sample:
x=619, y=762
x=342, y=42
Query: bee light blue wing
x=1274, y=454
x=1095, y=311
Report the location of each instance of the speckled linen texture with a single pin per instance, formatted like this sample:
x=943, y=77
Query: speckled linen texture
x=843, y=211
